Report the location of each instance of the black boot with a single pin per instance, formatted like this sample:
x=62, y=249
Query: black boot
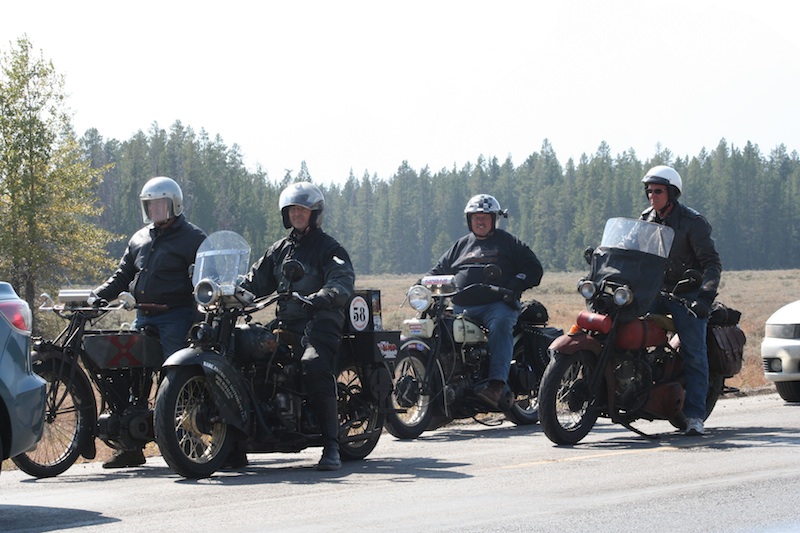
x=328, y=415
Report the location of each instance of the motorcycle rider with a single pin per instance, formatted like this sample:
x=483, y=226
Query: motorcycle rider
x=486, y=244
x=692, y=248
x=329, y=283
x=155, y=270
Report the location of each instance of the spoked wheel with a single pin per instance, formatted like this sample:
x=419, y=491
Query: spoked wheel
x=191, y=437
x=357, y=416
x=409, y=376
x=525, y=387
x=715, y=384
x=69, y=402
x=565, y=412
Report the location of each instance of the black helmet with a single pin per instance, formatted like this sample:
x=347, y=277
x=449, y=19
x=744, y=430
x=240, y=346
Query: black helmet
x=305, y=195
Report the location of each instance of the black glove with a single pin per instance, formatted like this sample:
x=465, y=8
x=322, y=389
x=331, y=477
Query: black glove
x=320, y=301
x=517, y=285
x=701, y=307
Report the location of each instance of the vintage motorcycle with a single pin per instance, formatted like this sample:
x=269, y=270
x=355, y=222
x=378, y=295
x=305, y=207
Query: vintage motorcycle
x=120, y=364
x=444, y=359
x=239, y=383
x=617, y=361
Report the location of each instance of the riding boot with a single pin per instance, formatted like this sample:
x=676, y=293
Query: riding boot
x=328, y=415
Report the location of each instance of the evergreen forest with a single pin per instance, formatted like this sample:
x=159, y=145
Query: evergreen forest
x=403, y=223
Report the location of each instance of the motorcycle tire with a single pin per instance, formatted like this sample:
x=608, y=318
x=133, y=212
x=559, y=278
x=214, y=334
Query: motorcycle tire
x=715, y=385
x=67, y=424
x=358, y=415
x=411, y=410
x=190, y=434
x=565, y=411
x=524, y=410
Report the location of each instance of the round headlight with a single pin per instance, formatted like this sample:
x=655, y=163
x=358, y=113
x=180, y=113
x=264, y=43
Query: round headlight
x=623, y=296
x=419, y=297
x=207, y=292
x=586, y=288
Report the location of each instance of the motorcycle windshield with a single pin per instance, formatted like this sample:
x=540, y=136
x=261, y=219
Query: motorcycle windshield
x=223, y=257
x=633, y=253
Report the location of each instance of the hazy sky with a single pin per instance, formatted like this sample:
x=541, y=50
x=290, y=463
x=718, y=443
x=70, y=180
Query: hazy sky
x=364, y=85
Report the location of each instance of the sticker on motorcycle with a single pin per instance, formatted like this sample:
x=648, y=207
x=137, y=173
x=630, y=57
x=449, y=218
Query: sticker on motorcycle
x=359, y=313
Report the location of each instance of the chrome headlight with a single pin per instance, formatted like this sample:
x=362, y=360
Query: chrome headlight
x=586, y=288
x=207, y=292
x=623, y=296
x=419, y=298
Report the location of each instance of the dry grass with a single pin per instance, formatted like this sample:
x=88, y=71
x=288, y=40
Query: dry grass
x=756, y=293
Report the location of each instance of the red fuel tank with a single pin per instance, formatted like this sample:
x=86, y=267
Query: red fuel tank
x=640, y=333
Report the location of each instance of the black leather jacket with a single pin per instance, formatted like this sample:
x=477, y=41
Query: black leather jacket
x=693, y=247
x=155, y=265
x=327, y=269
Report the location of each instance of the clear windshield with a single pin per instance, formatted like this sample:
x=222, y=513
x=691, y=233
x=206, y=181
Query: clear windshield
x=223, y=257
x=638, y=235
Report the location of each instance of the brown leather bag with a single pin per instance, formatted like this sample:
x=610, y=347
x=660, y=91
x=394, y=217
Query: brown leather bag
x=725, y=345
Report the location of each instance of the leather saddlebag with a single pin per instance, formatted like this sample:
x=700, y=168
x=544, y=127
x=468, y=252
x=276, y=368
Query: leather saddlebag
x=725, y=346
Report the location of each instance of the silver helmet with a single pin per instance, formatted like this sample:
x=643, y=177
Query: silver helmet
x=305, y=195
x=161, y=187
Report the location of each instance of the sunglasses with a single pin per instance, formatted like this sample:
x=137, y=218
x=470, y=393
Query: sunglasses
x=654, y=191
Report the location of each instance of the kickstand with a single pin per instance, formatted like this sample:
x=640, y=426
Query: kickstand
x=638, y=432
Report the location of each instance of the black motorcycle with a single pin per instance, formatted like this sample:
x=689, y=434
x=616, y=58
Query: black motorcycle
x=119, y=364
x=618, y=361
x=444, y=359
x=239, y=384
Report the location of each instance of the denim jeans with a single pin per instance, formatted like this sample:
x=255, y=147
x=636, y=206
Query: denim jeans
x=692, y=332
x=500, y=319
x=173, y=327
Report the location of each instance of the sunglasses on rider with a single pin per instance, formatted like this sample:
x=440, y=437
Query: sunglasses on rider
x=654, y=191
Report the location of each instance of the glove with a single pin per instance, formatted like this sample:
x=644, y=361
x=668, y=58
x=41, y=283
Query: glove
x=96, y=301
x=517, y=286
x=700, y=307
x=320, y=301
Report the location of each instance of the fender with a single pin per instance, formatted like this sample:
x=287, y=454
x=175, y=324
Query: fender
x=437, y=385
x=48, y=353
x=574, y=342
x=229, y=390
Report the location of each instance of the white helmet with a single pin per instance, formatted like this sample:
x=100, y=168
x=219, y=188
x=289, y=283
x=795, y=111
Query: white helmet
x=305, y=195
x=161, y=187
x=664, y=175
x=484, y=203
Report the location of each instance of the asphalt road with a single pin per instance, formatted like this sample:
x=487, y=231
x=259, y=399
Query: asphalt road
x=743, y=476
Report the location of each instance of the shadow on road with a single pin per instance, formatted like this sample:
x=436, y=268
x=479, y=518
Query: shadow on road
x=39, y=519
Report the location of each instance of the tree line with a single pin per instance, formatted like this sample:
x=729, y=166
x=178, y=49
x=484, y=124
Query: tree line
x=404, y=223
x=69, y=203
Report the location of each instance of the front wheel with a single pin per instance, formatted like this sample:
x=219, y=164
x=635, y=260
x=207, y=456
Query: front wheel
x=565, y=410
x=411, y=410
x=190, y=433
x=788, y=390
x=358, y=415
x=69, y=402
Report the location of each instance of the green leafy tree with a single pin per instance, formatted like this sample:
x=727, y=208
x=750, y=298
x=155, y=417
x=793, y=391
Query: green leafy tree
x=47, y=205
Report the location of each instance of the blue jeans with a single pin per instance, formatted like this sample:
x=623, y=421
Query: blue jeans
x=173, y=327
x=692, y=333
x=500, y=319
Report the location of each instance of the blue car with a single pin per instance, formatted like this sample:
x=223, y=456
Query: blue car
x=21, y=391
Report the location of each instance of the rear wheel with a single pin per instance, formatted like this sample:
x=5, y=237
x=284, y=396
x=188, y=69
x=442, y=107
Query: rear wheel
x=69, y=401
x=525, y=387
x=789, y=390
x=408, y=397
x=358, y=416
x=715, y=385
x=190, y=433
x=565, y=410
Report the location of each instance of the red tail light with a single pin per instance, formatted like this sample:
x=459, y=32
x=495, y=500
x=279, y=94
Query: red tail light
x=18, y=314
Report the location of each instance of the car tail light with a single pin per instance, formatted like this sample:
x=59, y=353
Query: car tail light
x=18, y=315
